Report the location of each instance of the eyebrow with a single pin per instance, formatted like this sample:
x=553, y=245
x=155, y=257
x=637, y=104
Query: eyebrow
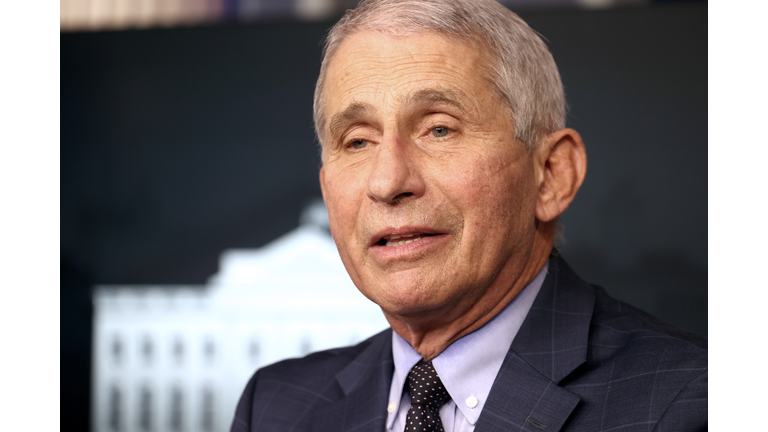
x=353, y=112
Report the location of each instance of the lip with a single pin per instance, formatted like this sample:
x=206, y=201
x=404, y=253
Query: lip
x=400, y=231
x=417, y=248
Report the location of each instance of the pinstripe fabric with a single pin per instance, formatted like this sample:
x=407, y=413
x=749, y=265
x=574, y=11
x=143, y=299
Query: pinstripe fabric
x=582, y=361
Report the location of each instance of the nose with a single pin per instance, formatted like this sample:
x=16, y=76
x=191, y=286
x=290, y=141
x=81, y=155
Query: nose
x=394, y=175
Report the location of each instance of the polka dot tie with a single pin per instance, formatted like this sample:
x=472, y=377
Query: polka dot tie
x=427, y=396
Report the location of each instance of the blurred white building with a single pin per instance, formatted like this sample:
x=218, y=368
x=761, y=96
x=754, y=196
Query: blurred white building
x=176, y=358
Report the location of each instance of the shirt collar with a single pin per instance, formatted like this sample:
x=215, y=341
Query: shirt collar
x=464, y=374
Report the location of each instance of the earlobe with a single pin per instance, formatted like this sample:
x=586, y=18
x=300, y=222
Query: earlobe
x=563, y=161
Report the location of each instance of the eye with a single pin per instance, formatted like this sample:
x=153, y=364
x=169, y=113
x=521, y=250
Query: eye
x=440, y=132
x=358, y=144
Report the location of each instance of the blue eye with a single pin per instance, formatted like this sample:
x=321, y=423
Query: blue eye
x=440, y=132
x=358, y=144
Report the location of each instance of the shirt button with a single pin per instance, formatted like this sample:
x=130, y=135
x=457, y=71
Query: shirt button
x=471, y=401
x=391, y=407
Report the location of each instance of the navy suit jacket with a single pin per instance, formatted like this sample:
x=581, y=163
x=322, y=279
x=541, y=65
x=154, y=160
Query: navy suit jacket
x=582, y=361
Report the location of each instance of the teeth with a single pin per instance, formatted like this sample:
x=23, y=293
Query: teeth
x=397, y=236
x=411, y=239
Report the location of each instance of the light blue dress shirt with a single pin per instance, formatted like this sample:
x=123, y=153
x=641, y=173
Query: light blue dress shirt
x=467, y=376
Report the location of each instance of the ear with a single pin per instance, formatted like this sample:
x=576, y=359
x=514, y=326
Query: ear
x=322, y=183
x=561, y=159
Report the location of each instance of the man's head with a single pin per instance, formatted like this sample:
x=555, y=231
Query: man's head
x=441, y=208
x=521, y=69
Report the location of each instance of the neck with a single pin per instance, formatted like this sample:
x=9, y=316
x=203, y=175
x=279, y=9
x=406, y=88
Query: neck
x=431, y=335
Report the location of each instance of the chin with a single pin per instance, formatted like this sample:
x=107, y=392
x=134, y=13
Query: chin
x=406, y=299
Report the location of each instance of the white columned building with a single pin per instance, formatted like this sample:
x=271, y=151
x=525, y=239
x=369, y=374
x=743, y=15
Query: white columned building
x=176, y=358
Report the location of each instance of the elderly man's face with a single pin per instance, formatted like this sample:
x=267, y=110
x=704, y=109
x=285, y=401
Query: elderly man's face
x=431, y=199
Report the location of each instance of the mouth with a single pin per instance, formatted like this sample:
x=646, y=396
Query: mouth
x=406, y=244
x=393, y=240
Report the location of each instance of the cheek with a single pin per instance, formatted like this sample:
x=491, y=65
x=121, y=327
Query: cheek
x=343, y=202
x=497, y=197
x=341, y=217
x=488, y=185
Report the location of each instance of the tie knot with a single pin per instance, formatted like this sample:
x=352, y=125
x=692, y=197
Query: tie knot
x=425, y=386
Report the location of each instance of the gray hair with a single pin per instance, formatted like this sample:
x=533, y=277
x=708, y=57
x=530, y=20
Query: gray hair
x=523, y=71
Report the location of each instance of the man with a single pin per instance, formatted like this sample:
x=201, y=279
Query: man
x=446, y=164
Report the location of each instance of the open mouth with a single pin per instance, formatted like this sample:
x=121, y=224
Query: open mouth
x=401, y=239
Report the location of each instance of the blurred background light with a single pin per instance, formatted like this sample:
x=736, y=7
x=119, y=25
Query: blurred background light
x=90, y=15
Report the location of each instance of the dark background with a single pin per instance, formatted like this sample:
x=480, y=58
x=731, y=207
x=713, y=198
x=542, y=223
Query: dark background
x=179, y=143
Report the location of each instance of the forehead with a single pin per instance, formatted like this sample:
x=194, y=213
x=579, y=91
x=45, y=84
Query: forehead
x=376, y=69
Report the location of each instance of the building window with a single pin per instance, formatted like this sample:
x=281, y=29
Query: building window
x=208, y=410
x=147, y=350
x=209, y=351
x=145, y=409
x=177, y=410
x=116, y=350
x=306, y=346
x=254, y=351
x=114, y=419
x=177, y=350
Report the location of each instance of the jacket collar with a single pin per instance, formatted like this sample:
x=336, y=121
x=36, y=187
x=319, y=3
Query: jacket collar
x=551, y=344
x=554, y=336
x=364, y=383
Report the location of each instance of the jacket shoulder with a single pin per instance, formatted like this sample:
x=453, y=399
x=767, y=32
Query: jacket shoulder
x=617, y=317
x=639, y=370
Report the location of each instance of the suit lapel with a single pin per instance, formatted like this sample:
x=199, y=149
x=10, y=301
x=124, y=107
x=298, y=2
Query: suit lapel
x=551, y=343
x=365, y=384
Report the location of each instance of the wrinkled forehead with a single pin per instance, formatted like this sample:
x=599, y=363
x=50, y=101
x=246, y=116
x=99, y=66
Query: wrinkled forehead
x=366, y=62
